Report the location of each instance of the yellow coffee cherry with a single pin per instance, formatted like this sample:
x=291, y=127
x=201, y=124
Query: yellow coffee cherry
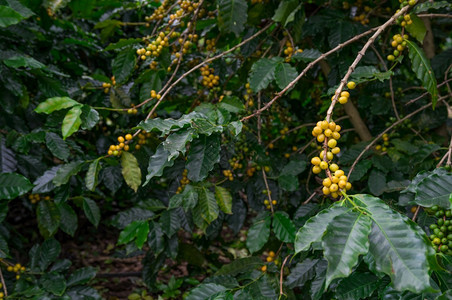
x=345, y=94
x=320, y=138
x=351, y=85
x=334, y=187
x=335, y=150
x=325, y=190
x=120, y=139
x=316, y=170
x=343, y=100
x=326, y=182
x=323, y=165
x=315, y=161
x=339, y=173
x=324, y=124
x=334, y=167
x=332, y=143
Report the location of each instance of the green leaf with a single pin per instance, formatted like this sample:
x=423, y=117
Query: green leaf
x=124, y=64
x=47, y=253
x=313, y=229
x=258, y=233
x=69, y=221
x=131, y=170
x=65, y=172
x=434, y=190
x=377, y=182
x=421, y=67
x=20, y=8
x=53, y=283
x=55, y=103
x=9, y=16
x=285, y=74
x=207, y=207
x=81, y=276
x=263, y=72
x=44, y=183
x=205, y=291
x=175, y=143
x=90, y=117
x=232, y=104
x=398, y=249
x=57, y=146
x=416, y=28
x=240, y=265
x=283, y=227
x=425, y=6
x=232, y=15
x=224, y=199
x=92, y=174
x=158, y=162
x=357, y=286
x=71, y=121
x=169, y=221
x=302, y=272
x=204, y=154
x=345, y=240
x=123, y=43
x=132, y=231
x=48, y=216
x=286, y=10
x=91, y=210
x=19, y=61
x=288, y=182
x=13, y=185
x=307, y=55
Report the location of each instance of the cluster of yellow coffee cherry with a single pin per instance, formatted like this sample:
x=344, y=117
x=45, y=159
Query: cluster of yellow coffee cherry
x=235, y=163
x=399, y=44
x=336, y=180
x=155, y=47
x=267, y=203
x=250, y=171
x=107, y=85
x=410, y=2
x=153, y=65
x=270, y=257
x=132, y=110
x=2, y=295
x=385, y=143
x=35, y=198
x=17, y=268
x=122, y=145
x=210, y=45
x=159, y=13
x=155, y=95
x=208, y=78
x=248, y=96
x=183, y=182
x=228, y=174
x=142, y=136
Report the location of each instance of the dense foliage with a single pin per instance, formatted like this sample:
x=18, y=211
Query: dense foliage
x=278, y=149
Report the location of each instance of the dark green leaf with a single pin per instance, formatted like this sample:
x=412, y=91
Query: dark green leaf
x=302, y=272
x=169, y=221
x=398, y=249
x=159, y=161
x=313, y=229
x=92, y=211
x=8, y=162
x=204, y=154
x=286, y=10
x=53, y=283
x=48, y=216
x=124, y=64
x=44, y=183
x=283, y=227
x=48, y=253
x=240, y=265
x=421, y=67
x=263, y=72
x=92, y=174
x=56, y=103
x=434, y=190
x=81, y=276
x=416, y=28
x=377, y=182
x=232, y=15
x=425, y=6
x=90, y=117
x=69, y=221
x=9, y=16
x=65, y=172
x=13, y=185
x=123, y=43
x=19, y=61
x=258, y=234
x=285, y=74
x=57, y=146
x=232, y=104
x=131, y=170
x=224, y=199
x=307, y=55
x=205, y=291
x=207, y=207
x=288, y=182
x=357, y=286
x=20, y=8
x=175, y=143
x=345, y=240
x=71, y=121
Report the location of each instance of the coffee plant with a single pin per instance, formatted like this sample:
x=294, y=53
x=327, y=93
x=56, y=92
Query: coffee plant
x=228, y=149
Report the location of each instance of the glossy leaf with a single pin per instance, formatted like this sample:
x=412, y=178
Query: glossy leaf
x=286, y=11
x=240, y=265
x=8, y=162
x=416, y=28
x=53, y=283
x=345, y=240
x=232, y=104
x=13, y=185
x=65, y=172
x=57, y=146
x=81, y=276
x=92, y=174
x=398, y=250
x=131, y=170
x=169, y=221
x=56, y=103
x=435, y=189
x=224, y=199
x=421, y=67
x=205, y=291
x=92, y=211
x=124, y=64
x=283, y=227
x=44, y=183
x=357, y=286
x=71, y=121
x=49, y=217
x=302, y=272
x=258, y=234
x=157, y=163
x=263, y=72
x=232, y=15
x=9, y=16
x=204, y=154
x=69, y=220
x=207, y=207
x=285, y=74
x=313, y=229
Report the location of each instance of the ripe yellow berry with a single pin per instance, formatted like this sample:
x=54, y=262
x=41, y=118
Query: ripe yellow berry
x=351, y=85
x=323, y=165
x=271, y=253
x=345, y=94
x=316, y=170
x=328, y=132
x=269, y=259
x=317, y=130
x=335, y=150
x=120, y=139
x=325, y=190
x=336, y=135
x=334, y=187
x=320, y=138
x=315, y=161
x=324, y=124
x=343, y=100
x=129, y=136
x=264, y=268
x=274, y=202
x=332, y=143
x=348, y=186
x=334, y=167
x=326, y=182
x=339, y=173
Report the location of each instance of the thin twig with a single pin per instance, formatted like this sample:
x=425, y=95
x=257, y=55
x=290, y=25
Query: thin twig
x=310, y=198
x=385, y=131
x=308, y=67
x=427, y=93
x=434, y=16
x=416, y=213
x=281, y=274
x=268, y=190
x=3, y=283
x=446, y=156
